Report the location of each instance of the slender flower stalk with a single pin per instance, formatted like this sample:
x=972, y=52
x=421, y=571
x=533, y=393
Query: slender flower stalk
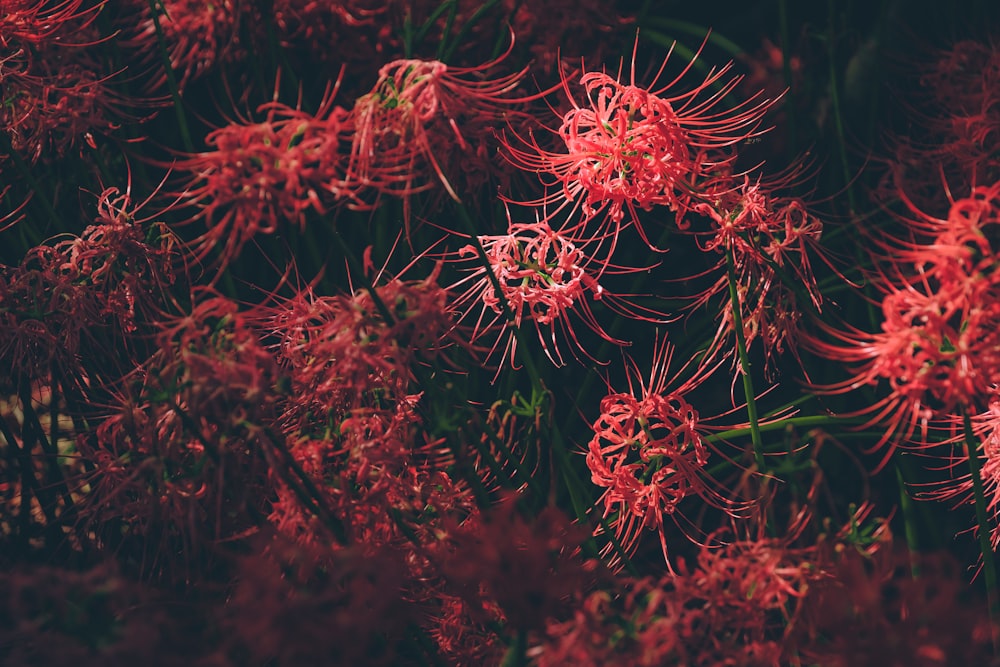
x=741, y=351
x=985, y=544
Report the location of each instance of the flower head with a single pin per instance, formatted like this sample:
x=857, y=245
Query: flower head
x=426, y=123
x=649, y=454
x=261, y=175
x=544, y=276
x=629, y=147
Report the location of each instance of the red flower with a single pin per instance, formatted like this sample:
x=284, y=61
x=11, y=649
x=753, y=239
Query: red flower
x=196, y=35
x=633, y=147
x=426, y=122
x=545, y=276
x=259, y=175
x=649, y=453
x=770, y=238
x=938, y=350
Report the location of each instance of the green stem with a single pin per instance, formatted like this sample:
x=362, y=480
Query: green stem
x=786, y=70
x=838, y=115
x=741, y=350
x=526, y=358
x=909, y=520
x=810, y=420
x=155, y=7
x=989, y=566
x=43, y=198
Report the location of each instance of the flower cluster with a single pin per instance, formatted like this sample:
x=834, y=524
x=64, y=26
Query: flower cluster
x=371, y=358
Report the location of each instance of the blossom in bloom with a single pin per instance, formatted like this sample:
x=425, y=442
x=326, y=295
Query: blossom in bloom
x=769, y=239
x=262, y=175
x=957, y=487
x=33, y=23
x=649, y=453
x=866, y=611
x=629, y=147
x=545, y=277
x=196, y=35
x=54, y=87
x=426, y=124
x=938, y=350
x=48, y=113
x=351, y=417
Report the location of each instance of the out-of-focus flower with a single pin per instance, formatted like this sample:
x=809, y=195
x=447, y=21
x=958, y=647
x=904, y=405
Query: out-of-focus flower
x=733, y=608
x=196, y=36
x=262, y=175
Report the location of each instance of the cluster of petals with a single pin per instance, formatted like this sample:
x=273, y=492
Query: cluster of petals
x=958, y=116
x=938, y=350
x=351, y=416
x=427, y=123
x=649, y=453
x=957, y=487
x=631, y=147
x=261, y=175
x=51, y=109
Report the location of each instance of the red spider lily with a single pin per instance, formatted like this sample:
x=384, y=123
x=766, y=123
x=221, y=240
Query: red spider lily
x=262, y=175
x=498, y=566
x=40, y=23
x=938, y=350
x=649, y=453
x=351, y=416
x=770, y=239
x=544, y=277
x=47, y=114
x=342, y=353
x=196, y=36
x=407, y=129
x=632, y=147
x=958, y=488
x=958, y=127
x=177, y=462
x=867, y=611
x=57, y=302
x=939, y=345
x=730, y=610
